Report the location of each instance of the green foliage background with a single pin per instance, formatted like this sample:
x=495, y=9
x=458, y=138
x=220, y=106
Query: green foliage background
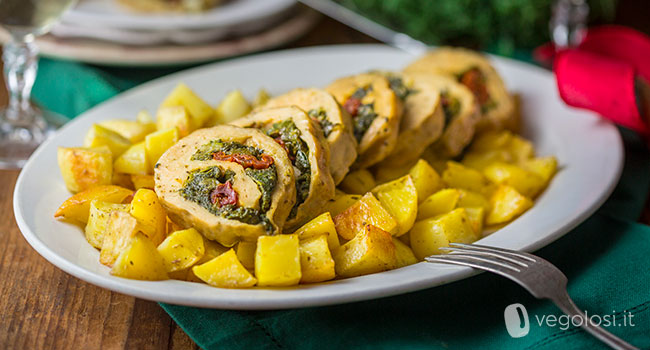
x=499, y=26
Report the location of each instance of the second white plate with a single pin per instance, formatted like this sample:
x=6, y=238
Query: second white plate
x=589, y=151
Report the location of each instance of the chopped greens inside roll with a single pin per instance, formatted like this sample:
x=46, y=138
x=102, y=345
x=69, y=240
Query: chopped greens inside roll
x=399, y=88
x=320, y=116
x=475, y=80
x=287, y=135
x=450, y=106
x=363, y=114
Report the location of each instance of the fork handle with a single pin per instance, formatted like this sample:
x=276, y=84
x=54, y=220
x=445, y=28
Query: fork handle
x=567, y=305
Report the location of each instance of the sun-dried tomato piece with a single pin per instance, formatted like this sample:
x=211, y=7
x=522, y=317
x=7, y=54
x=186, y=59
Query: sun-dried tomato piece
x=475, y=81
x=352, y=105
x=224, y=194
x=245, y=160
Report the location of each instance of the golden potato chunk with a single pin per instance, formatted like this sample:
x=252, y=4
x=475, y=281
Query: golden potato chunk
x=199, y=110
x=506, y=204
x=246, y=254
x=426, y=179
x=142, y=181
x=544, y=167
x=146, y=208
x=77, y=207
x=121, y=229
x=404, y=254
x=372, y=250
x=438, y=203
x=400, y=198
x=234, y=105
x=469, y=199
x=98, y=220
x=174, y=117
x=261, y=98
x=476, y=216
x=358, y=182
x=458, y=176
x=366, y=211
x=158, y=142
x=121, y=179
x=225, y=271
x=428, y=236
x=99, y=136
x=277, y=261
x=322, y=224
x=525, y=182
x=316, y=261
x=388, y=172
x=340, y=202
x=134, y=161
x=83, y=168
x=182, y=249
x=131, y=130
x=140, y=261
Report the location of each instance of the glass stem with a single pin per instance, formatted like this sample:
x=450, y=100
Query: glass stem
x=20, y=66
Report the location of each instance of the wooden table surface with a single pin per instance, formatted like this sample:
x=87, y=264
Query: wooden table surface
x=44, y=308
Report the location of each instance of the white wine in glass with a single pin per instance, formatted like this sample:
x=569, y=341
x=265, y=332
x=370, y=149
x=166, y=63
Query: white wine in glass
x=24, y=126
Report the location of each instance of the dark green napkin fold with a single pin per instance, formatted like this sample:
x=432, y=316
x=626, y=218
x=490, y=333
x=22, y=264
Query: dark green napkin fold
x=607, y=261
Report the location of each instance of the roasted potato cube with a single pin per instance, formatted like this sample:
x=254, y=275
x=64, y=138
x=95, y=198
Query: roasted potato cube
x=182, y=249
x=134, y=161
x=340, y=203
x=100, y=212
x=400, y=198
x=158, y=142
x=403, y=253
x=428, y=236
x=385, y=173
x=469, y=199
x=146, y=208
x=366, y=211
x=77, y=207
x=458, y=176
x=491, y=140
x=99, y=136
x=438, y=203
x=120, y=230
x=174, y=117
x=225, y=271
x=506, y=204
x=322, y=224
x=212, y=250
x=233, y=106
x=246, y=254
x=481, y=160
x=198, y=109
x=122, y=179
x=83, y=168
x=371, y=250
x=476, y=216
x=544, y=167
x=358, y=182
x=144, y=117
x=140, y=261
x=316, y=261
x=525, y=182
x=426, y=179
x=277, y=261
x=261, y=98
x=142, y=181
x=131, y=130
x=520, y=149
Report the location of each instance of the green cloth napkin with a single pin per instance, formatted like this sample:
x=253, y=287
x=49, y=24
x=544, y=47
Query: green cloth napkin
x=606, y=259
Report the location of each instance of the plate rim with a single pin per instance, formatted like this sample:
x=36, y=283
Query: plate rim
x=151, y=293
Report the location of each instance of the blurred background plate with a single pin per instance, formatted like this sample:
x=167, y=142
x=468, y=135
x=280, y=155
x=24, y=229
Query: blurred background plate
x=165, y=54
x=109, y=13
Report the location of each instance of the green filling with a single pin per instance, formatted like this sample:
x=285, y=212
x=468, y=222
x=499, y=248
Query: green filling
x=289, y=134
x=397, y=85
x=228, y=147
x=265, y=180
x=450, y=106
x=320, y=115
x=365, y=113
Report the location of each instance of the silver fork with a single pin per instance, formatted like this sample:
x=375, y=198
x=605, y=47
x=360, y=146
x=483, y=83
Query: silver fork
x=541, y=278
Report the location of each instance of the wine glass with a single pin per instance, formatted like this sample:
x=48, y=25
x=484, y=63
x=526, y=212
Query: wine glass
x=23, y=126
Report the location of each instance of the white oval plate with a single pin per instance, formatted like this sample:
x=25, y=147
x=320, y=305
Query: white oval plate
x=108, y=13
x=589, y=151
